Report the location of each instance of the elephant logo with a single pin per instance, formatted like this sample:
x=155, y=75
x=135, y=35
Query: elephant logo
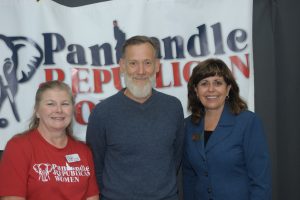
x=43, y=169
x=20, y=57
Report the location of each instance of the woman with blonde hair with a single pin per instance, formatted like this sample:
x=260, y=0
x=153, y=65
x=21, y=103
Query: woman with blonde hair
x=46, y=162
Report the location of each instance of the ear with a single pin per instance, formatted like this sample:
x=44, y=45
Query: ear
x=228, y=89
x=157, y=65
x=36, y=113
x=196, y=91
x=122, y=65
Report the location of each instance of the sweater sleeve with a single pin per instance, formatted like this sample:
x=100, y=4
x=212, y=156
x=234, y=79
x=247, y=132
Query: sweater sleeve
x=179, y=139
x=92, y=185
x=95, y=138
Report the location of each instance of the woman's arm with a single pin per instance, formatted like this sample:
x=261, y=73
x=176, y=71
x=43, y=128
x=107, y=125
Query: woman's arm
x=257, y=161
x=90, y=198
x=15, y=198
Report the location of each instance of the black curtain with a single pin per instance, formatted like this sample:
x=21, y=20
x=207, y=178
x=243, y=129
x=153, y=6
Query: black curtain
x=276, y=32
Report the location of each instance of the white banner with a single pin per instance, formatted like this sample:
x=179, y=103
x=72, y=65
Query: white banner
x=43, y=40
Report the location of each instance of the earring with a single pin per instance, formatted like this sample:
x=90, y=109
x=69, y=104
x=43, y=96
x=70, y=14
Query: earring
x=227, y=97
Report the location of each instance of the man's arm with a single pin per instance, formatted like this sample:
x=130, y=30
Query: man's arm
x=95, y=138
x=178, y=147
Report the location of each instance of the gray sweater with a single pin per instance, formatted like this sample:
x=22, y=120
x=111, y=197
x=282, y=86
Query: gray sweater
x=137, y=147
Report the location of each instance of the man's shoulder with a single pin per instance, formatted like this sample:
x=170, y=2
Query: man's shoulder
x=105, y=106
x=167, y=98
x=109, y=101
x=169, y=104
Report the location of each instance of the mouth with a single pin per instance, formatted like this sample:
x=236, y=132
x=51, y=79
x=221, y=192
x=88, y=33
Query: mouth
x=140, y=78
x=58, y=118
x=211, y=97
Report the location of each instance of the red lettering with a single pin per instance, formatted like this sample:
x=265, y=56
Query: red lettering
x=49, y=74
x=76, y=80
x=176, y=74
x=116, y=76
x=79, y=113
x=100, y=80
x=187, y=70
x=244, y=68
x=159, y=79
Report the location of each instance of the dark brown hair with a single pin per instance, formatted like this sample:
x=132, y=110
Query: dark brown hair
x=207, y=68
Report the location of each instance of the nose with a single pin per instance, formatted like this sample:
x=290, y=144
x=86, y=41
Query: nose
x=141, y=69
x=58, y=108
x=211, y=87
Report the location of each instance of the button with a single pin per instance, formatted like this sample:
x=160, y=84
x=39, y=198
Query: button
x=209, y=190
x=206, y=174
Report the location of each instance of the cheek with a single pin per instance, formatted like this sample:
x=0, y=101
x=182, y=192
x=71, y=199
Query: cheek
x=151, y=70
x=40, y=112
x=199, y=92
x=201, y=99
x=130, y=72
x=73, y=110
x=225, y=91
x=69, y=111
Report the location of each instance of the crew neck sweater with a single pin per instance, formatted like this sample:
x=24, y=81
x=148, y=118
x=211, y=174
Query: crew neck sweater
x=137, y=147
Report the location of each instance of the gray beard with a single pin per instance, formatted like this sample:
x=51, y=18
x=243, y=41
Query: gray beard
x=137, y=90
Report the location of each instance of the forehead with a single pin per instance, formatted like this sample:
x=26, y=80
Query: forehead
x=55, y=93
x=212, y=78
x=140, y=51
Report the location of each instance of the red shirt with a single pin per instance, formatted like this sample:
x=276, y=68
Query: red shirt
x=34, y=169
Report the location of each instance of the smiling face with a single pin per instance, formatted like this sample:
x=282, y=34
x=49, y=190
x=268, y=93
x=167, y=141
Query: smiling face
x=55, y=111
x=212, y=92
x=139, y=66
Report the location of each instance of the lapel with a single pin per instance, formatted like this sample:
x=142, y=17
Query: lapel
x=198, y=137
x=223, y=129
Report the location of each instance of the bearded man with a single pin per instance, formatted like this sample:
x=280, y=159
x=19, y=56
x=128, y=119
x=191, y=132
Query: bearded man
x=136, y=135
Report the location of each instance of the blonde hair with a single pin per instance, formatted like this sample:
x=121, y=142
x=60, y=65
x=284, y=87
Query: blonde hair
x=49, y=85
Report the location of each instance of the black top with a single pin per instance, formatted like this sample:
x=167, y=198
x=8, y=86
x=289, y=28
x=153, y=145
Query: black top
x=207, y=134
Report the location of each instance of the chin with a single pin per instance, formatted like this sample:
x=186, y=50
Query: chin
x=138, y=89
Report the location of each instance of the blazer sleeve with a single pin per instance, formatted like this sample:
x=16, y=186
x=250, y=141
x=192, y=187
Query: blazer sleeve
x=257, y=160
x=189, y=174
x=189, y=178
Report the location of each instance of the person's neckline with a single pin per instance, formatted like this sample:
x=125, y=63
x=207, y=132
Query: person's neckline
x=141, y=101
x=53, y=144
